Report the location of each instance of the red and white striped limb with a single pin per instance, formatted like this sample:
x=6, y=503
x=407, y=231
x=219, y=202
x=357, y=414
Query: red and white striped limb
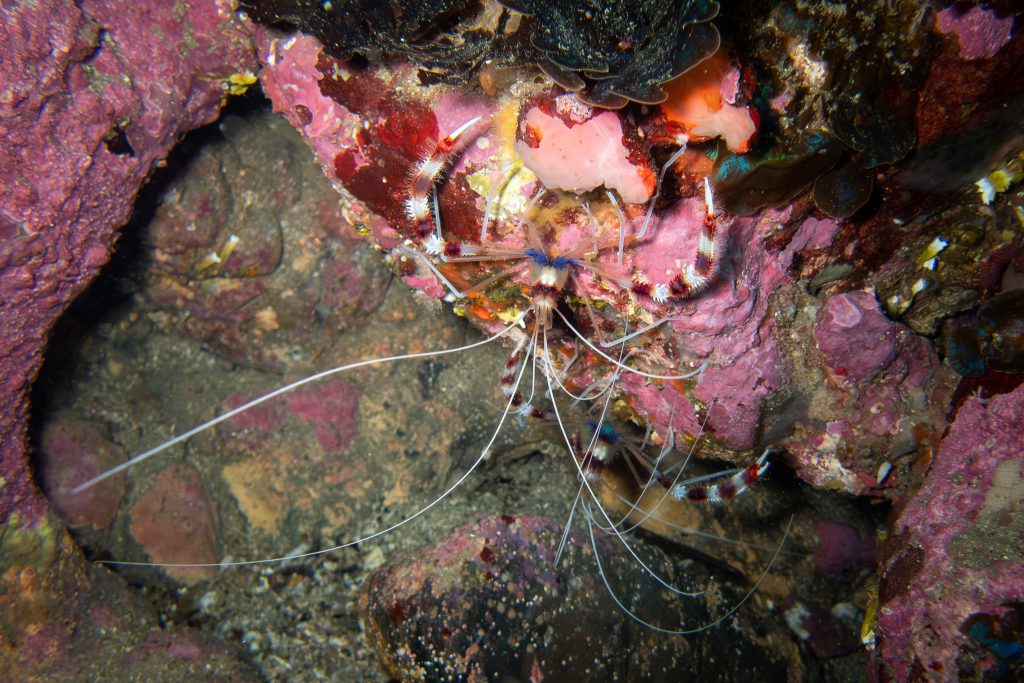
x=698, y=491
x=425, y=175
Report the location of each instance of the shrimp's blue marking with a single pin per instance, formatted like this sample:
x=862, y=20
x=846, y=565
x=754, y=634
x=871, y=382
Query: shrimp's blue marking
x=543, y=259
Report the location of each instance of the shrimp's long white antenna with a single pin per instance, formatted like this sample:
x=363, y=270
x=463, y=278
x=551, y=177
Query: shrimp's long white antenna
x=484, y=453
x=590, y=490
x=622, y=366
x=647, y=514
x=661, y=177
x=507, y=171
x=622, y=224
x=640, y=331
x=607, y=392
x=705, y=535
x=680, y=632
x=524, y=409
x=568, y=527
x=277, y=392
x=589, y=449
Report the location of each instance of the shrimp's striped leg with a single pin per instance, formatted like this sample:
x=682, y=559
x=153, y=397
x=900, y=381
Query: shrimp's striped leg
x=689, y=281
x=425, y=175
x=696, y=277
x=522, y=353
x=699, y=491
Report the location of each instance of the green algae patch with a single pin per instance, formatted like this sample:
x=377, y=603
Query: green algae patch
x=24, y=547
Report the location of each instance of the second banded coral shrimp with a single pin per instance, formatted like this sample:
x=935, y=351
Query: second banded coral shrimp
x=551, y=353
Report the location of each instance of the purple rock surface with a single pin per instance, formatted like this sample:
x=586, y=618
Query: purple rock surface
x=72, y=452
x=875, y=375
x=956, y=549
x=93, y=95
x=489, y=602
x=980, y=31
x=87, y=74
x=856, y=339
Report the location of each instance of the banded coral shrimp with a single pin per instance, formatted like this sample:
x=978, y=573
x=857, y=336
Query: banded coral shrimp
x=239, y=436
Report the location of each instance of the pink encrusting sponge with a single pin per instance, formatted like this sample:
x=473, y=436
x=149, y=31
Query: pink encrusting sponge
x=579, y=157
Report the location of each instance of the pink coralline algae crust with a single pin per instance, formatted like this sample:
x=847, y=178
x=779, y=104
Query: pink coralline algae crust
x=956, y=547
x=884, y=392
x=728, y=323
x=854, y=336
x=369, y=144
x=331, y=408
x=175, y=522
x=981, y=33
x=290, y=79
x=267, y=417
x=72, y=452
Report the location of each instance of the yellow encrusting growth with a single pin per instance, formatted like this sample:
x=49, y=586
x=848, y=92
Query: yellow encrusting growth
x=238, y=83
